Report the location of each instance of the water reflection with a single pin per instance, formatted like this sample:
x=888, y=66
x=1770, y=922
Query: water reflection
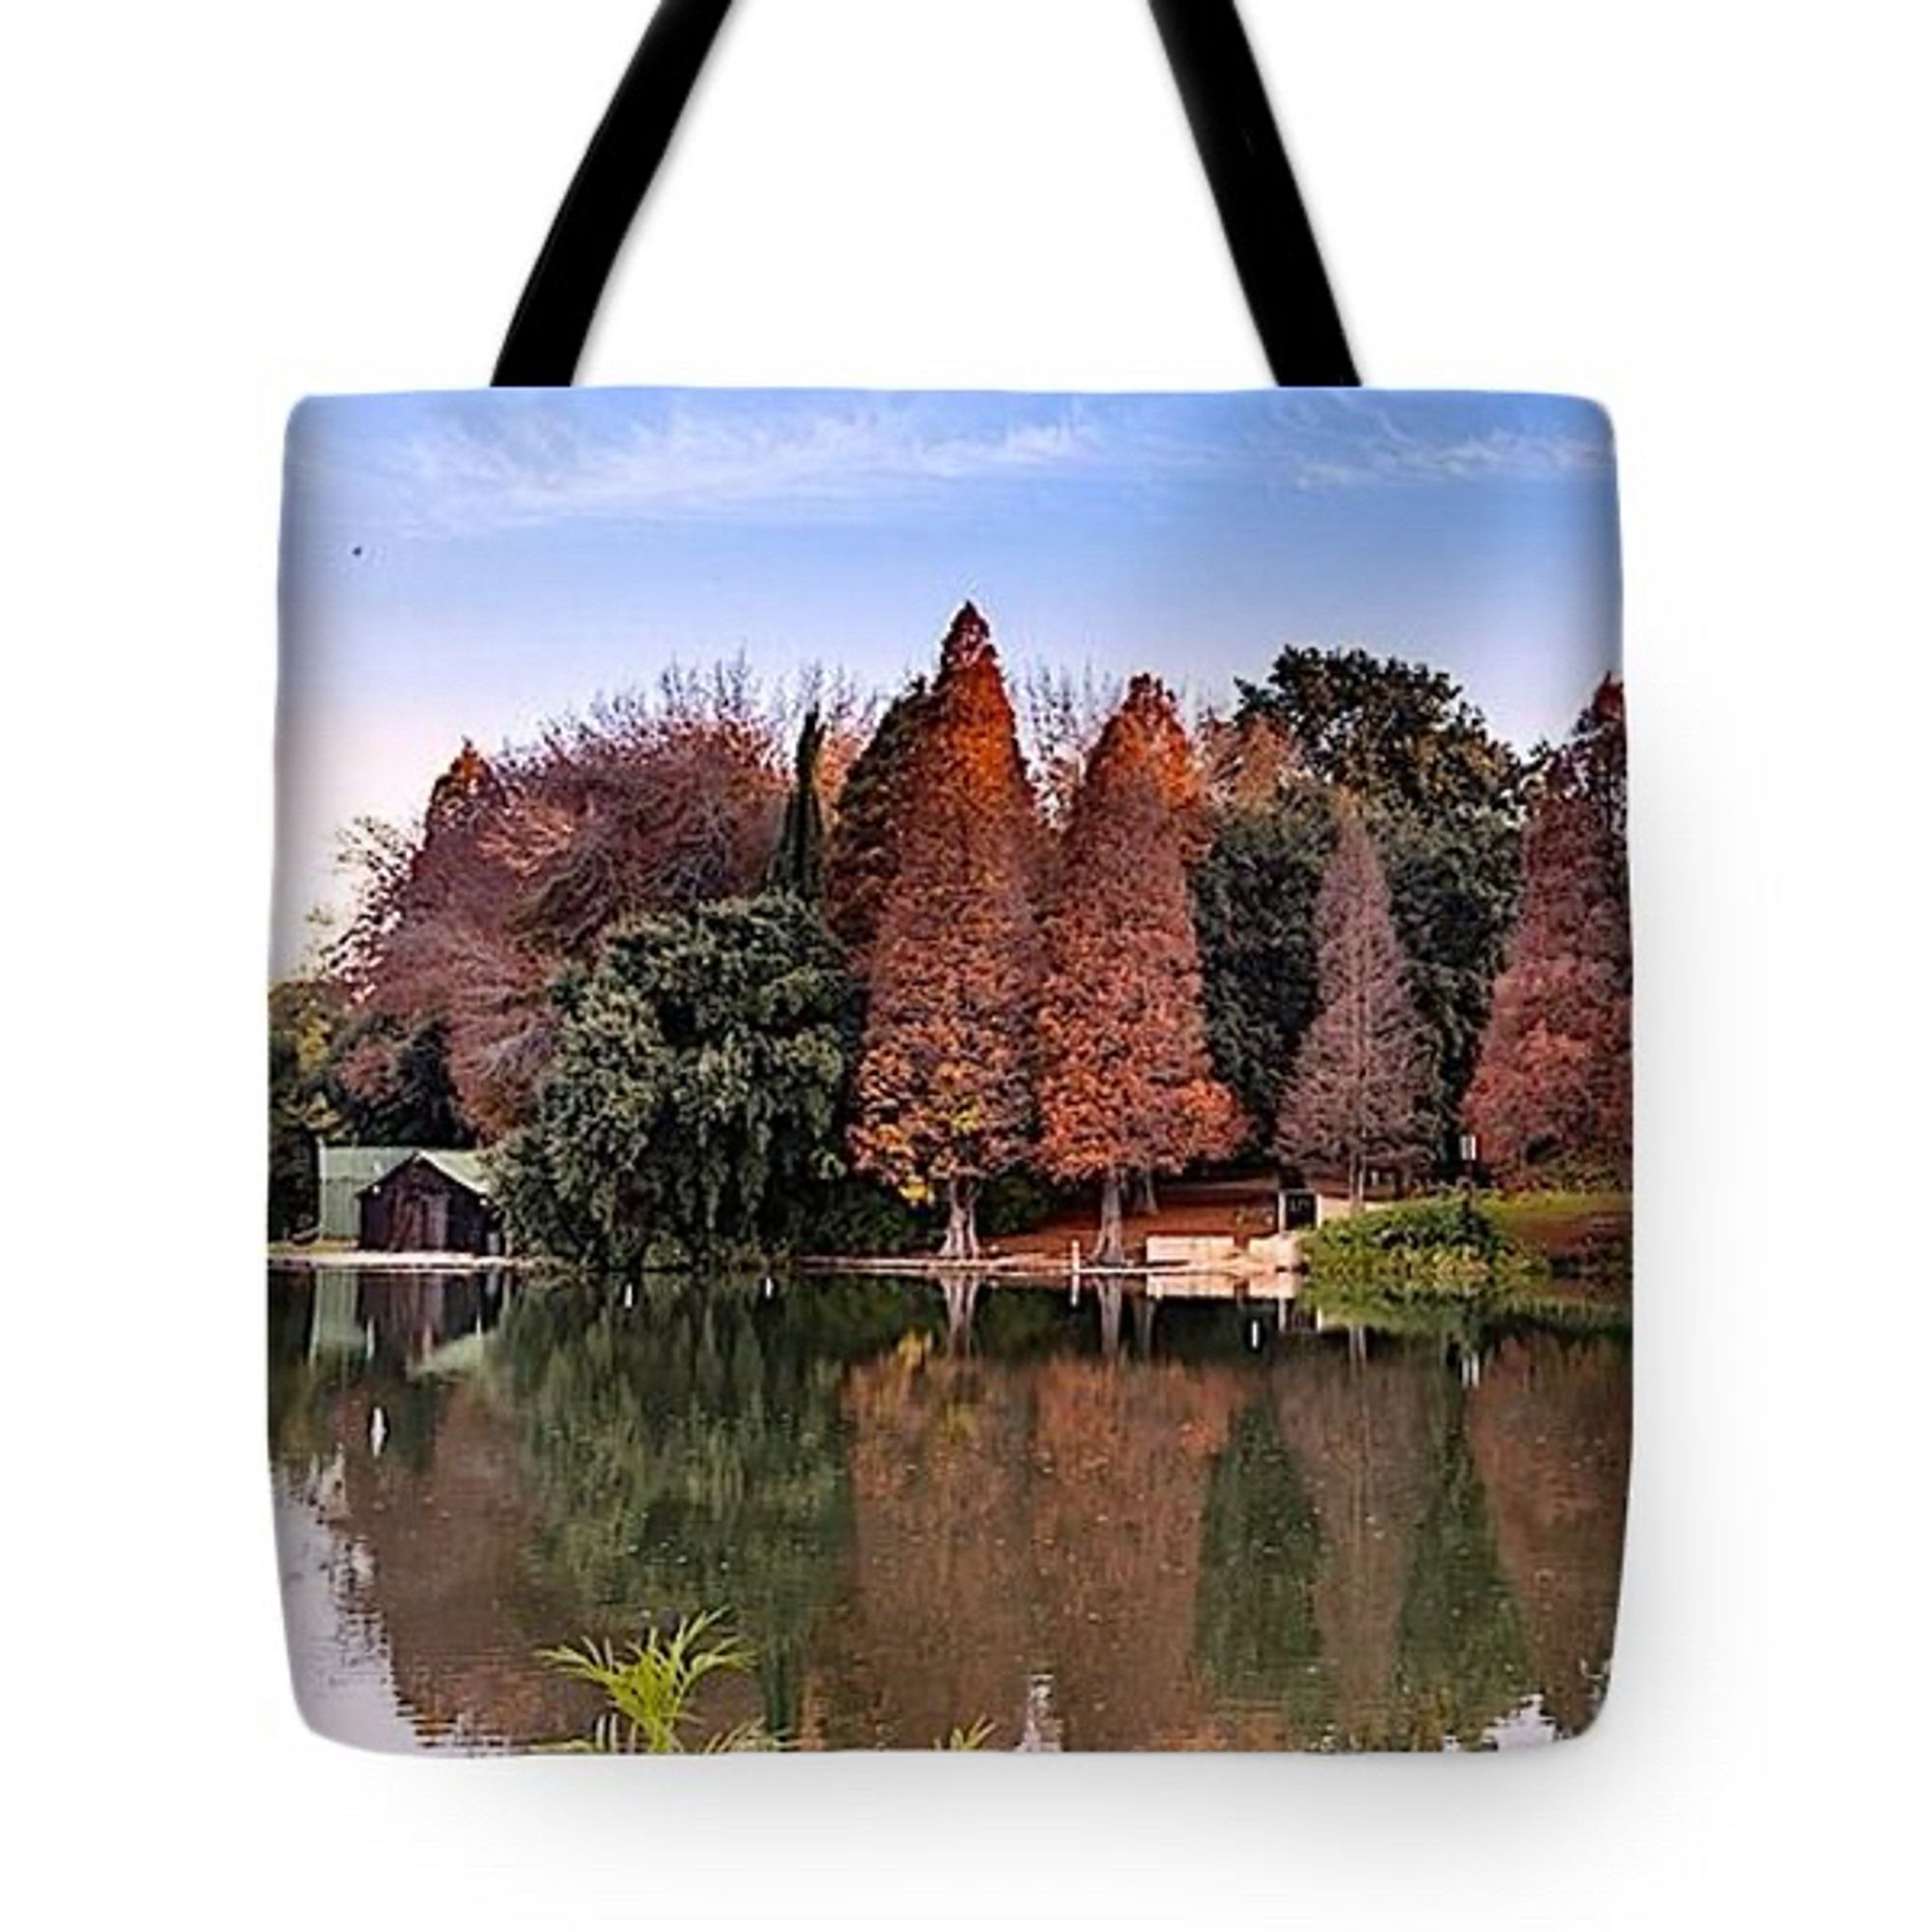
x=1100, y=1522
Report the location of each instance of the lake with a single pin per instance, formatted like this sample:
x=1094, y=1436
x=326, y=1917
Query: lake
x=1101, y=1524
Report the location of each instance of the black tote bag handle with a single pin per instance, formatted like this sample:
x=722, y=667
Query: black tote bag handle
x=1266, y=226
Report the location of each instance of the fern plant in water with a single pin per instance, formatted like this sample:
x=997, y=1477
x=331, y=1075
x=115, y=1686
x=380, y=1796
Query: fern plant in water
x=649, y=1687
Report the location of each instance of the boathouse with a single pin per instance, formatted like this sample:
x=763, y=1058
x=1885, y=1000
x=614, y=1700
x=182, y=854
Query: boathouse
x=408, y=1201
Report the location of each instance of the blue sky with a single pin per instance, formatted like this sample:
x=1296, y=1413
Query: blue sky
x=473, y=563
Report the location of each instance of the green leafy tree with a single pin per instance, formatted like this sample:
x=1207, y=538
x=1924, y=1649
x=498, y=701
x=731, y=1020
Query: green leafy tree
x=693, y=1097
x=1442, y=797
x=1400, y=733
x=304, y=1018
x=1254, y=909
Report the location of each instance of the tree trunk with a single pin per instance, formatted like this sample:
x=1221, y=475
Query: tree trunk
x=962, y=1221
x=1111, y=1249
x=1149, y=1203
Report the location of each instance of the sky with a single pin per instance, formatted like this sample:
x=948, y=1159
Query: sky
x=470, y=564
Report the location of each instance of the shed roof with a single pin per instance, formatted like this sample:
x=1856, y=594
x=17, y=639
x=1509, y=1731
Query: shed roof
x=467, y=1169
x=347, y=1171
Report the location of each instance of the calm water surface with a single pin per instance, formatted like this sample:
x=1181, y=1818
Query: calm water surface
x=1097, y=1526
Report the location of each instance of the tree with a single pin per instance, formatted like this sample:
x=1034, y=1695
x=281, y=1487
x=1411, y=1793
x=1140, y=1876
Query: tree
x=1255, y=888
x=861, y=849
x=303, y=1018
x=1126, y=1086
x=798, y=866
x=694, y=1094
x=1551, y=1094
x=524, y=863
x=1399, y=734
x=1361, y=1093
x=1442, y=798
x=944, y=1091
x=390, y=1086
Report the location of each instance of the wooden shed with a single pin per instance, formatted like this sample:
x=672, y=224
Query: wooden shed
x=430, y=1204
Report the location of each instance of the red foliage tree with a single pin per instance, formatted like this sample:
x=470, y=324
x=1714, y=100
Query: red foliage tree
x=524, y=863
x=1551, y=1094
x=1124, y=1081
x=944, y=1087
x=1362, y=1089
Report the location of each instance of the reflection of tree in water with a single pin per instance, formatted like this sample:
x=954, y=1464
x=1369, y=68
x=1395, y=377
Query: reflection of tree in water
x=1463, y=1664
x=1020, y=1524
x=934, y=1632
x=1361, y=1429
x=1120, y=1461
x=1256, y=1629
x=1550, y=1430
x=948, y=1505
x=430, y=1503
x=687, y=1455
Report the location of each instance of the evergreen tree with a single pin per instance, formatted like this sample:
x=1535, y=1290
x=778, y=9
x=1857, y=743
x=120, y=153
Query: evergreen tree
x=1361, y=1093
x=1126, y=1086
x=798, y=866
x=862, y=848
x=1553, y=1088
x=944, y=1091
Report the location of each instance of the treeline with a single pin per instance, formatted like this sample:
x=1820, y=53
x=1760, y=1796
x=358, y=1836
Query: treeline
x=711, y=973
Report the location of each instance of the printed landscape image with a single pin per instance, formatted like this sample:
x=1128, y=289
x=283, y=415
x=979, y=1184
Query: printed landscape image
x=950, y=1072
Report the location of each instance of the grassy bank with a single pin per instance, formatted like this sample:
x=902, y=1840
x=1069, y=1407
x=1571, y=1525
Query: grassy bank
x=1558, y=1259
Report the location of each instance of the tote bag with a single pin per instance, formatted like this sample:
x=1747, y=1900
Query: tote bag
x=949, y=1070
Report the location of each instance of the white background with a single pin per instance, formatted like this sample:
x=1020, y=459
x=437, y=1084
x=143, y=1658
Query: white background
x=1709, y=214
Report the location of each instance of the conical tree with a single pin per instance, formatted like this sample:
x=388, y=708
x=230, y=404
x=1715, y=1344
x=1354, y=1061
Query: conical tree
x=798, y=865
x=862, y=849
x=1553, y=1087
x=944, y=1090
x=1125, y=1087
x=1362, y=1089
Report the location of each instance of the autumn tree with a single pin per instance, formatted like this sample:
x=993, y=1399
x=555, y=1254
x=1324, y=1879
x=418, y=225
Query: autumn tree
x=1362, y=1090
x=1126, y=1086
x=1441, y=795
x=944, y=1090
x=650, y=804
x=435, y=945
x=1551, y=1094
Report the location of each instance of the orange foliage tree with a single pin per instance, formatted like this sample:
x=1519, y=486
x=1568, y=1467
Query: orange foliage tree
x=1551, y=1094
x=1124, y=1081
x=1361, y=1091
x=525, y=862
x=944, y=1087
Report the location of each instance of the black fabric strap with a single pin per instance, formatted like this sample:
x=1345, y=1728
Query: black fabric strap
x=1262, y=213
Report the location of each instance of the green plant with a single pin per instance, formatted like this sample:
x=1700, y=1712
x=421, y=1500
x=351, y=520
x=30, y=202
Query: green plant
x=967, y=1738
x=649, y=1687
x=1443, y=1246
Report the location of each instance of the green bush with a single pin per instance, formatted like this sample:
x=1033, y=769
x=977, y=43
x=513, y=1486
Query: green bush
x=1433, y=1247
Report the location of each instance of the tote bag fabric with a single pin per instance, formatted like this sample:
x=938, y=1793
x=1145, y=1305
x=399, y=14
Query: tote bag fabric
x=950, y=1069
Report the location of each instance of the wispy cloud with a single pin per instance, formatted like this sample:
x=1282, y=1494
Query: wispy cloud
x=457, y=464
x=464, y=468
